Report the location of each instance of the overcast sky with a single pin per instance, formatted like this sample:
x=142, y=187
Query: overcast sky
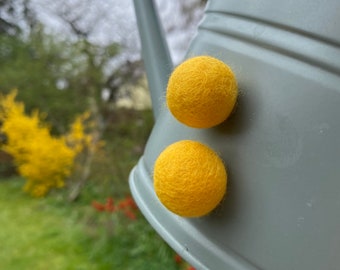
x=114, y=21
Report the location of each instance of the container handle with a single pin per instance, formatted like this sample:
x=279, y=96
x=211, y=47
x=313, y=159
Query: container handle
x=155, y=52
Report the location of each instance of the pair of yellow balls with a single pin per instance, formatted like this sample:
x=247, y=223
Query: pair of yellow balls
x=190, y=178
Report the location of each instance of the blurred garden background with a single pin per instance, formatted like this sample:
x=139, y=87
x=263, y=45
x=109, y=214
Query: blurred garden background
x=75, y=114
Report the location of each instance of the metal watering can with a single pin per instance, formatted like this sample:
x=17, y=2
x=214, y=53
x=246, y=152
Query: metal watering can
x=282, y=145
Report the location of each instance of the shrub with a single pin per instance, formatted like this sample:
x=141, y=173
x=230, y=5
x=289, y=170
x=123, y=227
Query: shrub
x=45, y=161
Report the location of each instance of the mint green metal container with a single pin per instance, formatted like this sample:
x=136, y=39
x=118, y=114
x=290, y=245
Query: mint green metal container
x=281, y=146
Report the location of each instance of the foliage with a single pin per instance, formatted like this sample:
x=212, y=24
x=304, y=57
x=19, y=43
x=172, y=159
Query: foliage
x=55, y=234
x=7, y=17
x=39, y=234
x=44, y=160
x=80, y=137
x=35, y=67
x=63, y=78
x=126, y=207
x=60, y=77
x=125, y=138
x=51, y=233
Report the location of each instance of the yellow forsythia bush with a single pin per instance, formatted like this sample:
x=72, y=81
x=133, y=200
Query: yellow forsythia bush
x=43, y=160
x=78, y=137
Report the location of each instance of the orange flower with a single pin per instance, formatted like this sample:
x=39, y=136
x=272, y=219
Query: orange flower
x=128, y=202
x=178, y=259
x=109, y=206
x=130, y=215
x=98, y=206
x=126, y=207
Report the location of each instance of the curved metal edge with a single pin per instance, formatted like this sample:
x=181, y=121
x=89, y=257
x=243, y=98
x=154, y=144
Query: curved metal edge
x=155, y=51
x=178, y=232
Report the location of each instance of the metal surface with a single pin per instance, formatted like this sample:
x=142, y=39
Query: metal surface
x=155, y=52
x=281, y=146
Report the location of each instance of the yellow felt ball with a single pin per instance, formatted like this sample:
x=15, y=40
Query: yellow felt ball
x=189, y=178
x=201, y=92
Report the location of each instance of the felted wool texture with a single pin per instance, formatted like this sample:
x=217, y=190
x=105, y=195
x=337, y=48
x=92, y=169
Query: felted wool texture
x=189, y=178
x=201, y=92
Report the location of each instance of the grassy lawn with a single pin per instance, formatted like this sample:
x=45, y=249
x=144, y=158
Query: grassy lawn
x=56, y=234
x=38, y=235
x=51, y=234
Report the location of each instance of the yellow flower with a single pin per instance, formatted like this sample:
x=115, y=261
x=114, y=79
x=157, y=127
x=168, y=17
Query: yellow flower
x=43, y=160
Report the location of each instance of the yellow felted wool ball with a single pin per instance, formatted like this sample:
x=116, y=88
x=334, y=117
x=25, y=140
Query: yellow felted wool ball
x=189, y=178
x=201, y=92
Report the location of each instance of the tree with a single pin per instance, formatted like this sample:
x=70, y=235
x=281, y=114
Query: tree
x=16, y=17
x=180, y=20
x=35, y=67
x=7, y=15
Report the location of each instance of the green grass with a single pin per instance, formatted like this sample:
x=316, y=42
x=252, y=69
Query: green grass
x=51, y=234
x=56, y=234
x=37, y=235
